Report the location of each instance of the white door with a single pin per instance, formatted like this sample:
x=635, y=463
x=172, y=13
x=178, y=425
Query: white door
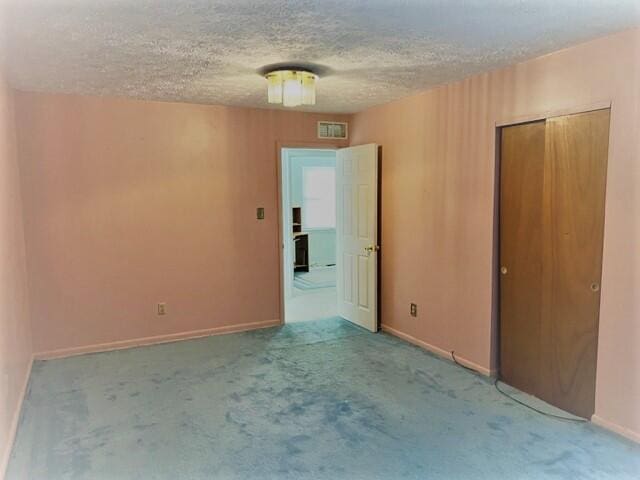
x=357, y=234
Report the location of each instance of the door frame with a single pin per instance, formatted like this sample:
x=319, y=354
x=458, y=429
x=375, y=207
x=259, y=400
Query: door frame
x=279, y=178
x=543, y=115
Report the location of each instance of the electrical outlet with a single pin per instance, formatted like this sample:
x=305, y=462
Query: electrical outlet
x=414, y=310
x=162, y=309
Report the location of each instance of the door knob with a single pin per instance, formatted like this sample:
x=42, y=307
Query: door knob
x=595, y=287
x=371, y=248
x=503, y=270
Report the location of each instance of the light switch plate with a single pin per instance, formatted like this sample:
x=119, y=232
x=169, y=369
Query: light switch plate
x=260, y=213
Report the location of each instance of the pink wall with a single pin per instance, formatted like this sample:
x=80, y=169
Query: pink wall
x=438, y=205
x=131, y=203
x=15, y=328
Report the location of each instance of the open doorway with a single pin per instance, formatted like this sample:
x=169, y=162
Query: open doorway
x=309, y=233
x=330, y=229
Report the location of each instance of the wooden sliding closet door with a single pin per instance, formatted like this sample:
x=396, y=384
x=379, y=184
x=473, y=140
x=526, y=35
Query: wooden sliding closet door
x=574, y=194
x=521, y=183
x=552, y=192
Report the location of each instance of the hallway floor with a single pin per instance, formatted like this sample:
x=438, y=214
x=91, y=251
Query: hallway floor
x=317, y=300
x=311, y=305
x=312, y=400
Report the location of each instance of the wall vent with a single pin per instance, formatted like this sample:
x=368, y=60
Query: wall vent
x=332, y=130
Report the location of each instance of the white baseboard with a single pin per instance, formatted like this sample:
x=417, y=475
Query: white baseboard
x=13, y=430
x=614, y=427
x=139, y=342
x=438, y=351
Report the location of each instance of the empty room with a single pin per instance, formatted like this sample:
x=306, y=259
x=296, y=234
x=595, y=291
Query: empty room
x=355, y=239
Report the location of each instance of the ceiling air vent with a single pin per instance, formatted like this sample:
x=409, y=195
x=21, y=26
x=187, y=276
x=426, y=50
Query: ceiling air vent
x=332, y=130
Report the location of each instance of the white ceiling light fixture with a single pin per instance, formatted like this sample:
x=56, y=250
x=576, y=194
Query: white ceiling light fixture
x=291, y=86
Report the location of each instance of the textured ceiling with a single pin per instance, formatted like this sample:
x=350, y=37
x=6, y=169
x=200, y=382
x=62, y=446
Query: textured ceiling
x=209, y=51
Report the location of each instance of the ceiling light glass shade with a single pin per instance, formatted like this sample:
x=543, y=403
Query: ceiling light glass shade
x=275, y=87
x=291, y=87
x=309, y=90
x=292, y=90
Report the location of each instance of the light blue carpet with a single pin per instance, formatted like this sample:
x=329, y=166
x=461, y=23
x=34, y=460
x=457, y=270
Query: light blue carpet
x=316, y=400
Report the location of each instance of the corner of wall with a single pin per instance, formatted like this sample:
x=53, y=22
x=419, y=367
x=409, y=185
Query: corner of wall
x=15, y=317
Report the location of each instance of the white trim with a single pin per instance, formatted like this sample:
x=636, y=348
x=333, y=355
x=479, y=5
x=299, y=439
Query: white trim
x=590, y=107
x=138, y=342
x=614, y=427
x=13, y=429
x=438, y=351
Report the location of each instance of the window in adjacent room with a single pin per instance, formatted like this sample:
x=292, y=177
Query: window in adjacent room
x=319, y=197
